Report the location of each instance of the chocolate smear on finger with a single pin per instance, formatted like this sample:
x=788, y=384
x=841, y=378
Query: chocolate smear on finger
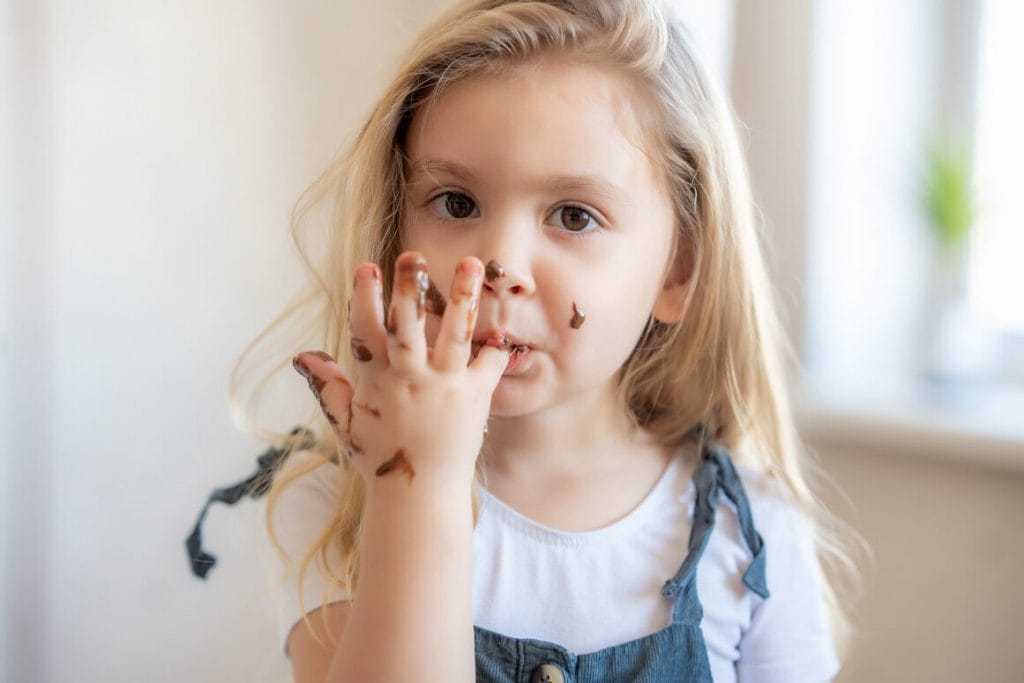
x=397, y=463
x=422, y=287
x=361, y=352
x=435, y=300
x=413, y=281
x=493, y=271
x=368, y=409
x=353, y=447
x=328, y=415
x=578, y=316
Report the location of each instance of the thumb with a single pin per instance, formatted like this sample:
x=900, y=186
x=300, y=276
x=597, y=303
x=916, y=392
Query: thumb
x=330, y=387
x=489, y=365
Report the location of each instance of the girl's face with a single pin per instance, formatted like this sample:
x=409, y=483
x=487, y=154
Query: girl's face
x=544, y=173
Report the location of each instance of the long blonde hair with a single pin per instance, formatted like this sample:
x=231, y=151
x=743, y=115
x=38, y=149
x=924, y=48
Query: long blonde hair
x=722, y=365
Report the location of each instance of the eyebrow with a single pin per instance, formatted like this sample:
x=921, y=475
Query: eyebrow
x=562, y=183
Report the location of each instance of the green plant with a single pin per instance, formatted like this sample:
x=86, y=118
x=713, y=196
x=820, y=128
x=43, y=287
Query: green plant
x=947, y=196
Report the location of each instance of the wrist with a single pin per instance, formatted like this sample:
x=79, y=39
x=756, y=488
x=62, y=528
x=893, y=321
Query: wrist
x=421, y=486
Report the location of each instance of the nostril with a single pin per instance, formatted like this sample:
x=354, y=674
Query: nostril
x=516, y=289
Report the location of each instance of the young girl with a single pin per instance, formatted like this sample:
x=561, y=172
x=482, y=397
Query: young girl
x=554, y=438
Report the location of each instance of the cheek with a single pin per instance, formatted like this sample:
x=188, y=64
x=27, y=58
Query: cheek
x=608, y=332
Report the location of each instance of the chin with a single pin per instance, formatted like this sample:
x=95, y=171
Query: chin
x=510, y=400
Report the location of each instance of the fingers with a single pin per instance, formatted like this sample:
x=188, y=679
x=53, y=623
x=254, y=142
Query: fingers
x=406, y=342
x=454, y=342
x=330, y=387
x=366, y=319
x=489, y=365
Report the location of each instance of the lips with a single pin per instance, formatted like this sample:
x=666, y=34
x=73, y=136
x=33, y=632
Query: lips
x=500, y=340
x=519, y=348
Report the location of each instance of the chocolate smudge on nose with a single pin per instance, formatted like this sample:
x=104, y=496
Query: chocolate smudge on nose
x=578, y=316
x=397, y=462
x=493, y=271
x=435, y=300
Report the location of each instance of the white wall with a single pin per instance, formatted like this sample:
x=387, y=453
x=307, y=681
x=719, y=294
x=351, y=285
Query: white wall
x=155, y=153
x=151, y=156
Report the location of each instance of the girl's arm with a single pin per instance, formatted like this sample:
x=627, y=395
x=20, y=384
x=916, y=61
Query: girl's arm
x=413, y=424
x=411, y=611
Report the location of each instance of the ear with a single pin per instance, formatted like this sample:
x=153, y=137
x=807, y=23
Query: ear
x=670, y=306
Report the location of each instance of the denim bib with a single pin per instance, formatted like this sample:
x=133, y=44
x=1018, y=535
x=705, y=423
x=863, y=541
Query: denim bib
x=675, y=653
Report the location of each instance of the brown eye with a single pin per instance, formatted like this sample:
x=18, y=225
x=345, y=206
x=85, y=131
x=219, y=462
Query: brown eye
x=575, y=219
x=458, y=205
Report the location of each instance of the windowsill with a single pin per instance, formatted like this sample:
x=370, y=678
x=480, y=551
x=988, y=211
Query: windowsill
x=974, y=426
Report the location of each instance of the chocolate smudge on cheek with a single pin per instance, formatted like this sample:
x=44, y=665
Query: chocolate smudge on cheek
x=436, y=303
x=397, y=462
x=493, y=271
x=578, y=316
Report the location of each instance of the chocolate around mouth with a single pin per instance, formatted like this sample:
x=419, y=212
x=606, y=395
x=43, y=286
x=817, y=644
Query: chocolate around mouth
x=505, y=345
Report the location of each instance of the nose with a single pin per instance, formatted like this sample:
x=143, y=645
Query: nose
x=504, y=280
x=507, y=255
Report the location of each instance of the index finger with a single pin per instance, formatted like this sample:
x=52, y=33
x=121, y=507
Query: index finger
x=366, y=319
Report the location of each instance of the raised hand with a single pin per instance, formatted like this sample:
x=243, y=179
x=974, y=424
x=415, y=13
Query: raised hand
x=411, y=413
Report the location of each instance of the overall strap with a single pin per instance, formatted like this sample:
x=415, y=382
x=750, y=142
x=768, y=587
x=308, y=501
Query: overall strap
x=715, y=474
x=255, y=486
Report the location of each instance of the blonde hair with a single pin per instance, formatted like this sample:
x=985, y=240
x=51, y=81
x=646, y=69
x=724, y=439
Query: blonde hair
x=721, y=365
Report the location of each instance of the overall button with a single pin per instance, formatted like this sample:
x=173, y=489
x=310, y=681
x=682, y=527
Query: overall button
x=547, y=673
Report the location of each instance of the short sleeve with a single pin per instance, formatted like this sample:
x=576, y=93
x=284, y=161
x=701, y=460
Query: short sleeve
x=788, y=640
x=300, y=515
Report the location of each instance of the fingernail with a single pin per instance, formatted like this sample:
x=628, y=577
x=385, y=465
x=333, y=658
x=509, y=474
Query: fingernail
x=368, y=271
x=301, y=367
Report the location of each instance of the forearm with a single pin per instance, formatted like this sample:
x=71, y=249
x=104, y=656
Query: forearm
x=411, y=615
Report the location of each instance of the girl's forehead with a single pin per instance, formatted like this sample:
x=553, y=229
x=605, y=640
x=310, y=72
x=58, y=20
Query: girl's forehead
x=576, y=114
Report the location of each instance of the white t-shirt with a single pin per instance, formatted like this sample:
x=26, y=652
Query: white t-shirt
x=594, y=589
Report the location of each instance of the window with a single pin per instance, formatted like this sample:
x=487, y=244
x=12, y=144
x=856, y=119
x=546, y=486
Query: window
x=996, y=277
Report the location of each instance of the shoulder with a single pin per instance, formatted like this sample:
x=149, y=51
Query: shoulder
x=306, y=481
x=303, y=504
x=777, y=514
x=788, y=635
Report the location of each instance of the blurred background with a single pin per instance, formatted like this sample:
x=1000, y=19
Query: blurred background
x=151, y=155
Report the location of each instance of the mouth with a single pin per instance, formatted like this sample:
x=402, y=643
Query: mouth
x=518, y=349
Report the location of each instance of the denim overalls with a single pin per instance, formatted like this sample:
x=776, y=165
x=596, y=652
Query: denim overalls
x=675, y=653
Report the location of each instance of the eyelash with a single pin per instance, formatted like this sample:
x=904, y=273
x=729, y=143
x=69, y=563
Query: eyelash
x=595, y=223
